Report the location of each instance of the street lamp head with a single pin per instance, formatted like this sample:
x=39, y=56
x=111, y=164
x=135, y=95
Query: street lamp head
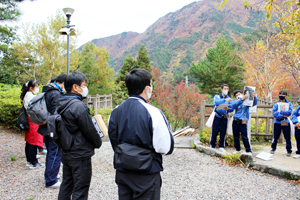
x=68, y=11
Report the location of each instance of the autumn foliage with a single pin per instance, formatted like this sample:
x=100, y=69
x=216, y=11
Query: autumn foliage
x=180, y=103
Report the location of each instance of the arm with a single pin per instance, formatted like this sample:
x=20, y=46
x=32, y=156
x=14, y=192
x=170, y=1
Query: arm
x=276, y=114
x=162, y=141
x=86, y=125
x=295, y=115
x=112, y=128
x=236, y=104
x=289, y=112
x=255, y=101
x=218, y=101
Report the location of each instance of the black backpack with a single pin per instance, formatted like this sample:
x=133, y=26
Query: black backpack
x=58, y=132
x=22, y=120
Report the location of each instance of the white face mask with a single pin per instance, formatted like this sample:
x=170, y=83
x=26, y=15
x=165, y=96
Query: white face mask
x=85, y=91
x=240, y=96
x=149, y=94
x=225, y=92
x=37, y=90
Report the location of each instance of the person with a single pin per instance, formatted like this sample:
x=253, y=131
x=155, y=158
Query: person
x=296, y=121
x=221, y=118
x=240, y=120
x=77, y=164
x=53, y=92
x=145, y=126
x=32, y=138
x=281, y=122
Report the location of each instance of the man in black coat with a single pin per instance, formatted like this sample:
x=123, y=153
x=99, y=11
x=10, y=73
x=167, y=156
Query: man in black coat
x=53, y=91
x=77, y=164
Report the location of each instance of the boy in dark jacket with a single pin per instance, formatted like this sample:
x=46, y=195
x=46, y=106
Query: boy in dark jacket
x=145, y=126
x=77, y=164
x=53, y=91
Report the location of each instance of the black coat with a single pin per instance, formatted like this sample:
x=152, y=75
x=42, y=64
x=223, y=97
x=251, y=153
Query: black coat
x=79, y=123
x=53, y=93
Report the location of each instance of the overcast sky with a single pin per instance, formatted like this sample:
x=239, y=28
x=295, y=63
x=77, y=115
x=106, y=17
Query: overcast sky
x=98, y=18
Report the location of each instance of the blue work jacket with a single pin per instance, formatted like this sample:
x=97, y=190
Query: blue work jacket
x=220, y=99
x=296, y=114
x=242, y=111
x=280, y=115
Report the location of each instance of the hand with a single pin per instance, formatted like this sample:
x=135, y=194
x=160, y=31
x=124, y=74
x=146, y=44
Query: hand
x=278, y=111
x=226, y=108
x=244, y=97
x=228, y=99
x=298, y=124
x=255, y=94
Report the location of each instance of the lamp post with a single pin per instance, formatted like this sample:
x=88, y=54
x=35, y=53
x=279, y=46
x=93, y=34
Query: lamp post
x=67, y=30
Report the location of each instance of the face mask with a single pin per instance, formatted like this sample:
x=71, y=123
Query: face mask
x=240, y=96
x=281, y=97
x=225, y=92
x=37, y=90
x=149, y=94
x=85, y=91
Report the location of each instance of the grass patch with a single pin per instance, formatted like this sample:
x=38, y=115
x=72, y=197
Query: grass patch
x=13, y=158
x=233, y=159
x=257, y=148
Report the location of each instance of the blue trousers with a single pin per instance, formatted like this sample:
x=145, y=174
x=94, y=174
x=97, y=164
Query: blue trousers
x=53, y=160
x=287, y=136
x=237, y=129
x=297, y=137
x=219, y=125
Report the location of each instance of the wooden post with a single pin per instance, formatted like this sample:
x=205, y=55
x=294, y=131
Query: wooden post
x=95, y=105
x=202, y=115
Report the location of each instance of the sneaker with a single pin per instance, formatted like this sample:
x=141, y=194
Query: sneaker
x=55, y=186
x=28, y=164
x=235, y=152
x=222, y=149
x=38, y=156
x=272, y=152
x=58, y=176
x=297, y=156
x=248, y=153
x=37, y=165
x=288, y=153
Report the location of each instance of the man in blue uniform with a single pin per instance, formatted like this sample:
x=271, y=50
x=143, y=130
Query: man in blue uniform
x=240, y=120
x=296, y=121
x=221, y=118
x=281, y=122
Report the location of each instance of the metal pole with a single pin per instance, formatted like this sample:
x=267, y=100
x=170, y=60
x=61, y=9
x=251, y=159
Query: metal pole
x=68, y=54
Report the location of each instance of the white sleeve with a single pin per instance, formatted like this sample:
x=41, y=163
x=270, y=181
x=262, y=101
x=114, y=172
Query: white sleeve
x=162, y=134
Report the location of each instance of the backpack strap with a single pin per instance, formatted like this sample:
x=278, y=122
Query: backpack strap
x=71, y=102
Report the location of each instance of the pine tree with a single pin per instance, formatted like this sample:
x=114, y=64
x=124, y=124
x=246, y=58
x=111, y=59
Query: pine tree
x=143, y=61
x=223, y=65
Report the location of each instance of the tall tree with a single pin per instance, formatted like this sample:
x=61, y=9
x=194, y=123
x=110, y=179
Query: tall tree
x=223, y=65
x=42, y=51
x=143, y=61
x=93, y=62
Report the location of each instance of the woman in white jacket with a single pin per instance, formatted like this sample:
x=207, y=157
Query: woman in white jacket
x=32, y=137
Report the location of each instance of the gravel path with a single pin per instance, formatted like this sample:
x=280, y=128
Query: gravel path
x=188, y=174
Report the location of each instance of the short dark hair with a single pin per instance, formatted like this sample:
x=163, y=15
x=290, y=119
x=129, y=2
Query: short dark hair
x=136, y=81
x=74, y=78
x=53, y=80
x=237, y=91
x=283, y=92
x=61, y=78
x=224, y=85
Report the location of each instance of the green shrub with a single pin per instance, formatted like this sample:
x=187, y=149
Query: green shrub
x=10, y=104
x=205, y=135
x=13, y=157
x=233, y=159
